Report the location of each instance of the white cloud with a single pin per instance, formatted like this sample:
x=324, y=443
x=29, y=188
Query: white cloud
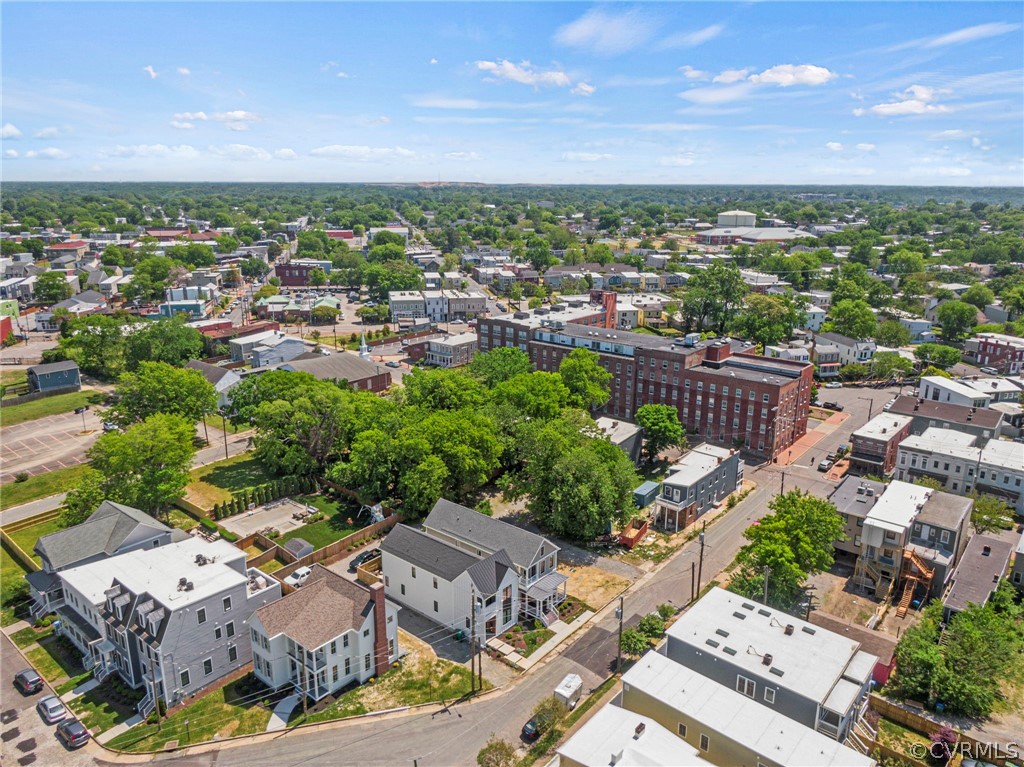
x=9, y=131
x=191, y=116
x=786, y=75
x=327, y=66
x=718, y=95
x=49, y=132
x=835, y=146
x=606, y=33
x=977, y=144
x=181, y=151
x=680, y=160
x=524, y=73
x=915, y=100
x=241, y=152
x=629, y=81
x=463, y=156
x=236, y=126
x=584, y=89
x=380, y=120
x=50, y=153
x=343, y=75
x=949, y=134
x=433, y=61
x=692, y=74
x=970, y=34
x=182, y=124
x=153, y=74
x=586, y=156
x=184, y=71
x=238, y=115
x=866, y=147
x=236, y=120
x=363, y=153
x=731, y=76
x=690, y=39
x=11, y=154
x=286, y=154
x=951, y=171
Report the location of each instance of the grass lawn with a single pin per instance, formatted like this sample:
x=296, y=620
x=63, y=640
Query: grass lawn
x=218, y=421
x=26, y=538
x=55, y=658
x=900, y=738
x=216, y=482
x=323, y=532
x=526, y=642
x=13, y=378
x=40, y=486
x=104, y=706
x=26, y=637
x=175, y=517
x=12, y=578
x=219, y=713
x=40, y=408
x=271, y=566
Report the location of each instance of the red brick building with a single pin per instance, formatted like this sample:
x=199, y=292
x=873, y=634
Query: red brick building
x=722, y=391
x=295, y=274
x=875, y=445
x=1002, y=352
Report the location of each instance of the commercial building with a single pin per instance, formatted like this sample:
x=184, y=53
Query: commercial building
x=407, y=305
x=721, y=391
x=702, y=478
x=296, y=272
x=451, y=351
x=875, y=445
x=808, y=674
x=929, y=414
x=359, y=374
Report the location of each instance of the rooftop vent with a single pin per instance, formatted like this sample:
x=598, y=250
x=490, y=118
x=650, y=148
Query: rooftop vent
x=869, y=491
x=807, y=630
x=711, y=642
x=739, y=615
x=729, y=651
x=189, y=586
x=767, y=660
x=724, y=633
x=790, y=628
x=764, y=612
x=776, y=671
x=986, y=551
x=639, y=730
x=860, y=490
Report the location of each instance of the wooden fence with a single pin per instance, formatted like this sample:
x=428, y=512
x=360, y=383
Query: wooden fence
x=335, y=551
x=33, y=396
x=16, y=553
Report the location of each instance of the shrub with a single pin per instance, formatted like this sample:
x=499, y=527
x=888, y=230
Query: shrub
x=633, y=642
x=651, y=626
x=21, y=476
x=943, y=741
x=484, y=507
x=666, y=611
x=208, y=524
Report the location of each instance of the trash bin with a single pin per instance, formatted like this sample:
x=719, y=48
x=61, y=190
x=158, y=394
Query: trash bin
x=459, y=635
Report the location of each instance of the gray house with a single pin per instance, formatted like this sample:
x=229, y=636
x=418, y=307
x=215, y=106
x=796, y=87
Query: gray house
x=275, y=351
x=54, y=377
x=977, y=576
x=222, y=379
x=111, y=530
x=699, y=480
x=541, y=586
x=807, y=673
x=1017, y=570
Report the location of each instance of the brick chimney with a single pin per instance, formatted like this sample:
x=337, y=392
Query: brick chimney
x=718, y=351
x=609, y=300
x=380, y=629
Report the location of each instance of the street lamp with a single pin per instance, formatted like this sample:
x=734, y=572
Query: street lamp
x=871, y=405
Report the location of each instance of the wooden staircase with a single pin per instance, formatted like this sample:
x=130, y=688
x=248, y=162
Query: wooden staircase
x=908, y=595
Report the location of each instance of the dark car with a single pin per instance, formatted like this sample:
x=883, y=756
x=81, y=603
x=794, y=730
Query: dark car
x=363, y=558
x=832, y=406
x=72, y=733
x=28, y=681
x=534, y=728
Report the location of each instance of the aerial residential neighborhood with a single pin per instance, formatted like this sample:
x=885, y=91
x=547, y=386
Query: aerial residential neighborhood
x=512, y=385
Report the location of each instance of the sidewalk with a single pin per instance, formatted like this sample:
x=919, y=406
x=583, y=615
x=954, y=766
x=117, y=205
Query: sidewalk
x=562, y=632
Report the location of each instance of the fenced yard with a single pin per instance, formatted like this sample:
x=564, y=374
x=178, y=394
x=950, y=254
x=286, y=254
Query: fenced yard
x=219, y=482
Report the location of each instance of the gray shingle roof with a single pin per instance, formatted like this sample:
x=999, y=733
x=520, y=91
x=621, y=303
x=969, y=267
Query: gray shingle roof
x=212, y=373
x=487, y=533
x=102, y=533
x=488, y=573
x=54, y=367
x=340, y=365
x=430, y=554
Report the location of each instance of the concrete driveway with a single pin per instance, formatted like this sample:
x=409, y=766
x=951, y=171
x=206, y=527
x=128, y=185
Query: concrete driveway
x=440, y=638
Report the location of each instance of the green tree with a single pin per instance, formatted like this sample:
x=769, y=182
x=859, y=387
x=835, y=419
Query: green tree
x=534, y=395
x=97, y=343
x=937, y=355
x=768, y=319
x=978, y=296
x=661, y=429
x=931, y=370
x=794, y=542
x=497, y=753
x=82, y=500
x=956, y=319
x=421, y=485
x=499, y=365
x=587, y=382
x=255, y=268
x=157, y=387
x=323, y=315
x=442, y=389
x=316, y=277
x=853, y=318
x=52, y=288
x=652, y=626
x=890, y=365
x=848, y=290
x=990, y=513
x=634, y=643
x=892, y=333
x=170, y=340
x=904, y=262
x=853, y=371
x=147, y=465
x=150, y=278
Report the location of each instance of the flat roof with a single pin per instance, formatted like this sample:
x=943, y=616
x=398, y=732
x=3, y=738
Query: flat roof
x=956, y=387
x=945, y=510
x=883, y=425
x=1006, y=455
x=613, y=731
x=898, y=506
x=933, y=441
x=737, y=717
x=925, y=408
x=851, y=497
x=697, y=464
x=812, y=660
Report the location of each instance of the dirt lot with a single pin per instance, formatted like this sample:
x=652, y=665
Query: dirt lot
x=593, y=585
x=834, y=595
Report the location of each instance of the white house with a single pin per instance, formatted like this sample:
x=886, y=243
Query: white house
x=447, y=584
x=814, y=317
x=222, y=379
x=850, y=350
x=940, y=389
x=325, y=635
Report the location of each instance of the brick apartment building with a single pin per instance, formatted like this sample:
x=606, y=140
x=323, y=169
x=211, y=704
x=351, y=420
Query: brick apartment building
x=722, y=391
x=295, y=274
x=1002, y=352
x=875, y=445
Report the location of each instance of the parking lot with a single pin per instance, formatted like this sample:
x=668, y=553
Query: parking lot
x=45, y=444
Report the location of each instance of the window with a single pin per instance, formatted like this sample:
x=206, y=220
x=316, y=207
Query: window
x=334, y=649
x=208, y=666
x=366, y=632
x=682, y=730
x=227, y=604
x=435, y=583
x=435, y=605
x=944, y=536
x=391, y=647
x=769, y=695
x=745, y=686
x=230, y=629
x=344, y=641
x=216, y=633
x=764, y=397
x=232, y=653
x=366, y=662
x=201, y=615
x=348, y=666
x=705, y=742
x=413, y=574
x=403, y=589
x=186, y=680
x=334, y=674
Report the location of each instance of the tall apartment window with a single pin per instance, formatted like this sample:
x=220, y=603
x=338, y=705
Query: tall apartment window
x=682, y=730
x=413, y=574
x=344, y=640
x=435, y=583
x=769, y=695
x=230, y=629
x=366, y=662
x=216, y=633
x=201, y=615
x=208, y=666
x=435, y=605
x=334, y=675
x=334, y=648
x=403, y=589
x=185, y=679
x=227, y=604
x=705, y=742
x=348, y=666
x=232, y=653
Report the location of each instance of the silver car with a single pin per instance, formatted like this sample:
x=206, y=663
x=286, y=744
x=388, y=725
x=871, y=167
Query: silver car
x=51, y=709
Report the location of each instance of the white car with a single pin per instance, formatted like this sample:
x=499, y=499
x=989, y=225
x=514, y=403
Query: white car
x=833, y=385
x=888, y=405
x=299, y=577
x=990, y=371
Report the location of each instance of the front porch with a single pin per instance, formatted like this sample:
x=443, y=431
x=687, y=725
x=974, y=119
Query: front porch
x=541, y=599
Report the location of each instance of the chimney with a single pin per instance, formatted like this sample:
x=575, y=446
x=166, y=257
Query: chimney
x=639, y=730
x=766, y=660
x=380, y=628
x=790, y=628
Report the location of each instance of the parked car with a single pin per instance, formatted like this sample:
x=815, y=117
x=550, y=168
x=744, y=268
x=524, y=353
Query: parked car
x=109, y=426
x=51, y=709
x=833, y=385
x=990, y=371
x=501, y=307
x=72, y=733
x=362, y=559
x=825, y=465
x=534, y=728
x=28, y=681
x=299, y=577
x=393, y=364
x=832, y=406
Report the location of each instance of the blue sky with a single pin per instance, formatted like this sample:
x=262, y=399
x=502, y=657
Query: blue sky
x=886, y=93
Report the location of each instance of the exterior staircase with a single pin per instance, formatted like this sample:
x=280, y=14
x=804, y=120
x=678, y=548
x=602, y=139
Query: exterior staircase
x=549, y=617
x=908, y=595
x=146, y=706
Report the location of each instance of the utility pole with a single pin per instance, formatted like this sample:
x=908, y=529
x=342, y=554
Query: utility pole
x=782, y=485
x=224, y=423
x=472, y=639
x=693, y=580
x=767, y=571
x=156, y=695
x=618, y=662
x=700, y=567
